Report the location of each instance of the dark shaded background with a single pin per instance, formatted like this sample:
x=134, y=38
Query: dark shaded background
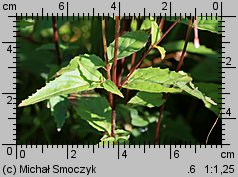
x=185, y=117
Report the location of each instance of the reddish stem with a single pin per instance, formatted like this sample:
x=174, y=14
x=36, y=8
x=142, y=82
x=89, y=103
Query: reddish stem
x=56, y=40
x=133, y=57
x=108, y=68
x=161, y=24
x=185, y=46
x=122, y=63
x=120, y=70
x=114, y=67
x=147, y=52
x=114, y=73
x=159, y=118
x=177, y=69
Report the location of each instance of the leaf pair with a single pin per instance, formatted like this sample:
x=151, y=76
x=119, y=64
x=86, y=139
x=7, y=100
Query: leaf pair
x=80, y=75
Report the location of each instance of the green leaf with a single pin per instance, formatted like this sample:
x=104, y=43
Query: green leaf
x=192, y=90
x=89, y=71
x=90, y=60
x=26, y=26
x=211, y=90
x=155, y=33
x=59, y=107
x=67, y=83
x=147, y=99
x=120, y=136
x=111, y=87
x=146, y=24
x=128, y=44
x=161, y=50
x=156, y=80
x=96, y=111
x=208, y=24
x=25, y=23
x=133, y=25
x=81, y=74
x=107, y=139
x=178, y=46
x=95, y=61
x=137, y=120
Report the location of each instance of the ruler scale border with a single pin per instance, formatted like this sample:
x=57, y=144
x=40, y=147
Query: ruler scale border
x=93, y=147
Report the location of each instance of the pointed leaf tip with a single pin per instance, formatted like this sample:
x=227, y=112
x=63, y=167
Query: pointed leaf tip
x=111, y=87
x=156, y=80
x=21, y=104
x=67, y=83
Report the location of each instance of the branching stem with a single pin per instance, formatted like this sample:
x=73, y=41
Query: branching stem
x=177, y=69
x=146, y=53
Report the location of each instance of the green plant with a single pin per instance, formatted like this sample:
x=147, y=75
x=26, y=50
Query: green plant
x=135, y=93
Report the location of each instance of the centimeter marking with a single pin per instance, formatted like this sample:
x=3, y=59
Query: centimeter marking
x=21, y=16
x=124, y=15
x=92, y=14
x=119, y=147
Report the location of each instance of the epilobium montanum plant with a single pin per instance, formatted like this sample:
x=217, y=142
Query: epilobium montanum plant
x=140, y=82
